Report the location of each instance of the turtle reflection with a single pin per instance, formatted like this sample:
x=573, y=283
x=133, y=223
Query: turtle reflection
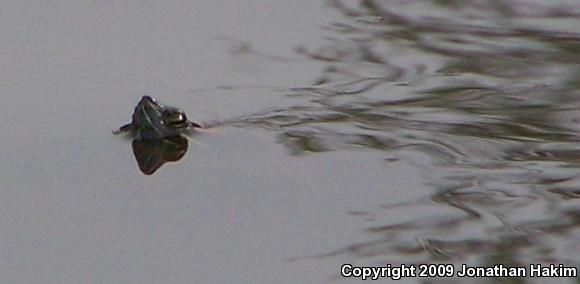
x=151, y=154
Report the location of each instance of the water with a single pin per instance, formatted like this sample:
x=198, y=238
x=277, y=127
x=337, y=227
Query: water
x=364, y=132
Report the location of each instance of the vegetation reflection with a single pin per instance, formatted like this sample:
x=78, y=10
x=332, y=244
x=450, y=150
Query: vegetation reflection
x=488, y=90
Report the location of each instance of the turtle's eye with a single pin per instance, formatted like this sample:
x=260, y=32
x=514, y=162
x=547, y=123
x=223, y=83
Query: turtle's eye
x=177, y=118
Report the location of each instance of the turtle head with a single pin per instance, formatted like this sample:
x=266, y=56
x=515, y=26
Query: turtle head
x=148, y=117
x=154, y=120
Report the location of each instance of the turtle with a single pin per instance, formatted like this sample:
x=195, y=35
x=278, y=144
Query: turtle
x=153, y=121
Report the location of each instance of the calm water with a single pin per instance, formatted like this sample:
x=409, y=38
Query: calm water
x=363, y=132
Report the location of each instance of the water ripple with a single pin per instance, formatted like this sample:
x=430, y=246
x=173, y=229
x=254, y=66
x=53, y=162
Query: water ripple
x=479, y=95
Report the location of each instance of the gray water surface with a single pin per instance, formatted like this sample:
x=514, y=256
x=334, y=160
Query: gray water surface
x=364, y=132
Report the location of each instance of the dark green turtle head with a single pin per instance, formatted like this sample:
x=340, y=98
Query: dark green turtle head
x=152, y=120
x=148, y=119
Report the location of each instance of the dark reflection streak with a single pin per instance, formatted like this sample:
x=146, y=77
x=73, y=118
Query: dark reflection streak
x=323, y=91
x=447, y=152
x=387, y=17
x=470, y=211
x=343, y=8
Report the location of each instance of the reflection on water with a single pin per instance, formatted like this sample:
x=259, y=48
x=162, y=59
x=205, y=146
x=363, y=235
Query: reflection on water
x=152, y=154
x=482, y=96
